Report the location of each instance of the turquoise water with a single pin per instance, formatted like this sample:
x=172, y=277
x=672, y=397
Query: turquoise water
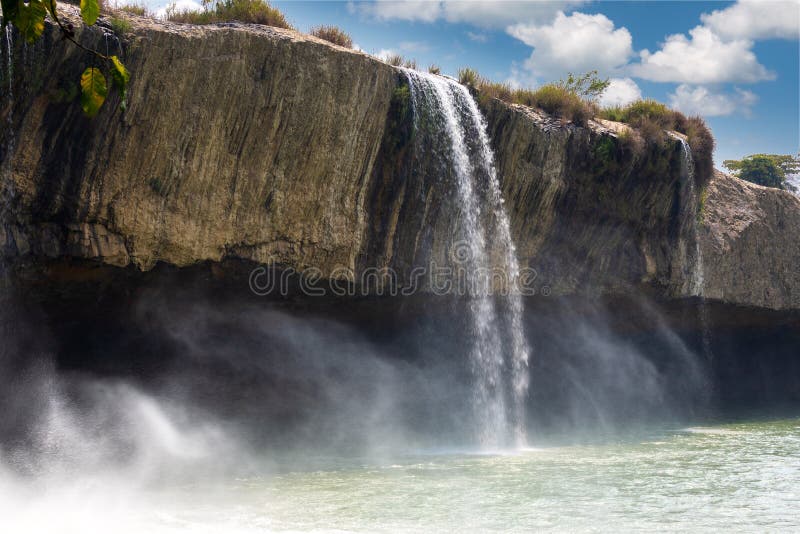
x=743, y=477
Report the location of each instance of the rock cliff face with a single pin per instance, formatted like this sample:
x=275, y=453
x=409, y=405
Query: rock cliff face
x=262, y=144
x=750, y=237
x=252, y=142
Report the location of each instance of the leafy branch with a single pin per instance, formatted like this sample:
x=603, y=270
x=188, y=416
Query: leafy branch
x=29, y=16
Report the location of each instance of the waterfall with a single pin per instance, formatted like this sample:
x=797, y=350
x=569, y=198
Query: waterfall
x=483, y=246
x=697, y=278
x=6, y=182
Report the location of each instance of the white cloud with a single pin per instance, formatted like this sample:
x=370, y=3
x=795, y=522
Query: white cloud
x=478, y=37
x=485, y=13
x=179, y=5
x=520, y=78
x=620, y=91
x=756, y=20
x=702, y=58
x=701, y=100
x=575, y=43
x=385, y=53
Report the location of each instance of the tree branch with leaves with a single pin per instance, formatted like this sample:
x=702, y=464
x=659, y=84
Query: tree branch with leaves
x=29, y=19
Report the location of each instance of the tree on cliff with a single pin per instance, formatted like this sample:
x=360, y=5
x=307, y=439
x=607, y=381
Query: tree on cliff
x=770, y=170
x=28, y=17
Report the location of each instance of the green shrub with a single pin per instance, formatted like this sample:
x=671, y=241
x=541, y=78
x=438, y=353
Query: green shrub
x=651, y=131
x=555, y=99
x=647, y=111
x=632, y=141
x=120, y=25
x=135, y=9
x=469, y=77
x=587, y=85
x=701, y=206
x=395, y=60
x=651, y=118
x=332, y=34
x=434, y=69
x=500, y=91
x=769, y=170
x=701, y=141
x=564, y=103
x=247, y=11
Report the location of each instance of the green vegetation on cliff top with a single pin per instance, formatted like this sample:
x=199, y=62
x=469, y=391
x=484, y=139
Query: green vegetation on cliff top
x=247, y=11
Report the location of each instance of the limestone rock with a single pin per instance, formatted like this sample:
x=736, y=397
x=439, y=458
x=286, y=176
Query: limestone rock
x=256, y=143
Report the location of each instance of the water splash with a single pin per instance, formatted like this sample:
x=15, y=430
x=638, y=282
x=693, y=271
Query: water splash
x=499, y=352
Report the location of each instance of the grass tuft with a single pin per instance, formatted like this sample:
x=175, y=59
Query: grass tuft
x=469, y=77
x=247, y=11
x=120, y=25
x=395, y=60
x=332, y=34
x=138, y=9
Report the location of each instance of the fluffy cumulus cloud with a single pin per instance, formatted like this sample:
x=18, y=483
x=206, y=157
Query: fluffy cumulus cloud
x=756, y=19
x=620, y=91
x=702, y=101
x=483, y=13
x=702, y=58
x=574, y=43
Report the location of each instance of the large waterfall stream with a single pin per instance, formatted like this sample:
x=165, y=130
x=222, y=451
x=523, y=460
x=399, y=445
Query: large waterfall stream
x=482, y=246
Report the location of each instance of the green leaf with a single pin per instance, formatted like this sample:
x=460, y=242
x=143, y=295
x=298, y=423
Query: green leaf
x=30, y=19
x=93, y=91
x=90, y=9
x=120, y=77
x=119, y=74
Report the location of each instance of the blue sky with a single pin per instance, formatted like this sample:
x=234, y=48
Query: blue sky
x=734, y=63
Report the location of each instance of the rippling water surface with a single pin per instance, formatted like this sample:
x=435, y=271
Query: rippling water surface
x=744, y=477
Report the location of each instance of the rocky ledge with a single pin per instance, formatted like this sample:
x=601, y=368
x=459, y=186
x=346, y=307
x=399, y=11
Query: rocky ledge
x=261, y=144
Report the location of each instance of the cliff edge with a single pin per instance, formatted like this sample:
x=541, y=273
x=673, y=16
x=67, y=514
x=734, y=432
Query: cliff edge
x=262, y=144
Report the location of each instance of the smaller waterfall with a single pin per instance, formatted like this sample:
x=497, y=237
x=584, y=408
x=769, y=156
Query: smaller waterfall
x=483, y=243
x=6, y=182
x=697, y=278
x=9, y=75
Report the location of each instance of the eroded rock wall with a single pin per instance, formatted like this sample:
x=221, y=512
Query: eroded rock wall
x=750, y=236
x=251, y=141
x=255, y=143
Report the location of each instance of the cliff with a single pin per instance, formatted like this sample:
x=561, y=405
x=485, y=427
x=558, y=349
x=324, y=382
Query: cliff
x=750, y=237
x=266, y=145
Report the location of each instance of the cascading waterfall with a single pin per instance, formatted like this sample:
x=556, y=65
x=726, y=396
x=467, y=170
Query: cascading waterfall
x=697, y=278
x=499, y=352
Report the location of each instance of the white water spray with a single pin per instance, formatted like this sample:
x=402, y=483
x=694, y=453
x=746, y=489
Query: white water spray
x=499, y=353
